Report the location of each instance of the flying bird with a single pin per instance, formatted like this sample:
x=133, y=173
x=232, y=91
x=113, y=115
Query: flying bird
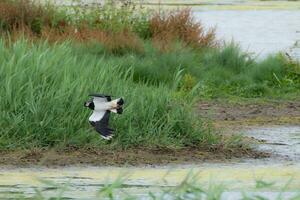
x=102, y=105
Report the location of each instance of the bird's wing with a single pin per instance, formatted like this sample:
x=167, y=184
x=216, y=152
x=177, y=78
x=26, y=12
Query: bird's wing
x=96, y=115
x=102, y=127
x=101, y=97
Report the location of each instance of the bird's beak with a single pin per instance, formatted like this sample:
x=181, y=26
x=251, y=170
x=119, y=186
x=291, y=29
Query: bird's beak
x=87, y=103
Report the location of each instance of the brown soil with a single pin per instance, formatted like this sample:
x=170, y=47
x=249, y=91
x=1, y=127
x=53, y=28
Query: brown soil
x=237, y=115
x=122, y=157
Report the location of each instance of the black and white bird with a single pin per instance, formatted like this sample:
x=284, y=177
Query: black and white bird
x=102, y=105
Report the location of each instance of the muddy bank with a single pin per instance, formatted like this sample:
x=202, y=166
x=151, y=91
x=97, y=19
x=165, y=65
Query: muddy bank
x=236, y=115
x=134, y=157
x=225, y=116
x=283, y=142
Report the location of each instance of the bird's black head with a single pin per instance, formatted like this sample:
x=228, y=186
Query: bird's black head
x=90, y=104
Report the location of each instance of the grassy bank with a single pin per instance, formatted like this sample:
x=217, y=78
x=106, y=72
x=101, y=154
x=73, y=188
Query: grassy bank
x=161, y=63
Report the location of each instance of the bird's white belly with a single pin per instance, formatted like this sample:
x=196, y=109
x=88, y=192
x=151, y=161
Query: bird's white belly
x=103, y=106
x=99, y=111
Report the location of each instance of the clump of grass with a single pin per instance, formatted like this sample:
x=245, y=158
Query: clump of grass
x=122, y=42
x=117, y=29
x=230, y=71
x=293, y=71
x=16, y=15
x=117, y=43
x=271, y=70
x=217, y=72
x=43, y=89
x=180, y=25
x=158, y=68
x=118, y=18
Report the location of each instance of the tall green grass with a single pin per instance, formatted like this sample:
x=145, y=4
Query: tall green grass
x=217, y=72
x=43, y=89
x=230, y=71
x=114, y=51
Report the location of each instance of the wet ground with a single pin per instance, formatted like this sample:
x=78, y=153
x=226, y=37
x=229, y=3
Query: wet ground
x=282, y=141
x=239, y=176
x=235, y=115
x=85, y=182
x=124, y=157
x=260, y=121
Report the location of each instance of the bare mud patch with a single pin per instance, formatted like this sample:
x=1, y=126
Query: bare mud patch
x=236, y=115
x=272, y=127
x=130, y=157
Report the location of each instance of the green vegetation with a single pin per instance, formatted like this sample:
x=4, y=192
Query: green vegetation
x=229, y=71
x=159, y=62
x=45, y=87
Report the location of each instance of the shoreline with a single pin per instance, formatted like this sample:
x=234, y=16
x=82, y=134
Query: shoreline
x=130, y=157
x=227, y=118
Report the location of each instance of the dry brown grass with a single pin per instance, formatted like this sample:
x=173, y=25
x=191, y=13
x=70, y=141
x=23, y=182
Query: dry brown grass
x=180, y=25
x=23, y=13
x=117, y=43
x=22, y=18
x=122, y=42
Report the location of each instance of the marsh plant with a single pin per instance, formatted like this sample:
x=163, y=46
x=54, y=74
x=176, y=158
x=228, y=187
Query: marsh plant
x=43, y=86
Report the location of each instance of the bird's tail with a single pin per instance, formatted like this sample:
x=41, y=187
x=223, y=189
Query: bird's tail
x=118, y=110
x=117, y=105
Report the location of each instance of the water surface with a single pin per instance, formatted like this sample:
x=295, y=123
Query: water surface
x=84, y=182
x=261, y=32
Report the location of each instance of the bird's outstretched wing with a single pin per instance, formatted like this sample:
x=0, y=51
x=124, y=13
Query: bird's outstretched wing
x=102, y=127
x=101, y=97
x=96, y=116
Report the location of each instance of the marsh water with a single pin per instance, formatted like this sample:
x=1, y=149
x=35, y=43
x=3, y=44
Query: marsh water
x=259, y=32
x=282, y=170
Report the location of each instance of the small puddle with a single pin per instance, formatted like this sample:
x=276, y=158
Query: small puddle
x=283, y=141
